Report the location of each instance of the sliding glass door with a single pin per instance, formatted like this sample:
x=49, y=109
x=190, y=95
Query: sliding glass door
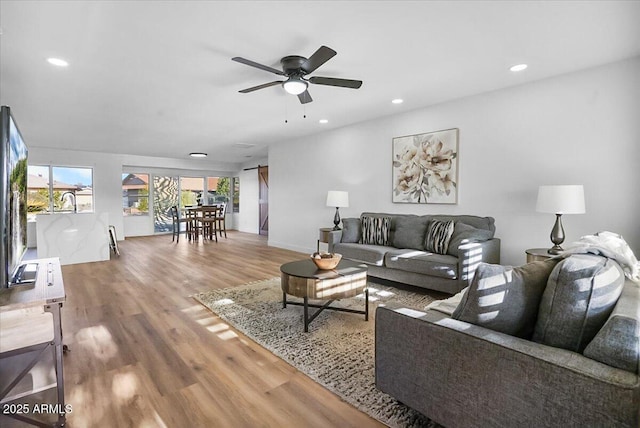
x=165, y=195
x=183, y=191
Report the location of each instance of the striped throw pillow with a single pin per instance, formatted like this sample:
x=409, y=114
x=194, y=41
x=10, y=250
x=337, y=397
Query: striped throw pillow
x=438, y=236
x=375, y=230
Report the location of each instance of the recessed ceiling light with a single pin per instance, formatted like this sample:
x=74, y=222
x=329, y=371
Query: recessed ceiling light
x=198, y=155
x=397, y=101
x=323, y=121
x=518, y=67
x=57, y=62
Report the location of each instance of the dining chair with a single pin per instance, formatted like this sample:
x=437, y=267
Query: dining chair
x=193, y=227
x=208, y=222
x=177, y=222
x=220, y=217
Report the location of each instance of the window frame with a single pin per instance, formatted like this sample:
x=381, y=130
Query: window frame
x=51, y=206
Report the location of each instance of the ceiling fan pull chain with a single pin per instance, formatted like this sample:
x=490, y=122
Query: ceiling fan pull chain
x=286, y=114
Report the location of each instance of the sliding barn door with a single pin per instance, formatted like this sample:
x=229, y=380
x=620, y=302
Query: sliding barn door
x=263, y=180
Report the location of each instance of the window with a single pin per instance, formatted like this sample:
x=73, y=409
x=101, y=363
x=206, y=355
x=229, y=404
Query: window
x=59, y=189
x=191, y=190
x=236, y=194
x=135, y=194
x=204, y=191
x=38, y=199
x=222, y=192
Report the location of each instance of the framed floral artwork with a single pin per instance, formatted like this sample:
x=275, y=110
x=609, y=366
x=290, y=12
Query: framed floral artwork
x=425, y=168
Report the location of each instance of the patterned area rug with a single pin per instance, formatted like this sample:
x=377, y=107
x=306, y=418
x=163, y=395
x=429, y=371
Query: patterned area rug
x=338, y=352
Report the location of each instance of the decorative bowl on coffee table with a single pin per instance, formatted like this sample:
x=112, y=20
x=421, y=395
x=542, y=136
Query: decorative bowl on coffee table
x=327, y=263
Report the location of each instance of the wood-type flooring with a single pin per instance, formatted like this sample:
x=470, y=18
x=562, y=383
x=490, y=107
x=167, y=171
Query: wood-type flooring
x=146, y=354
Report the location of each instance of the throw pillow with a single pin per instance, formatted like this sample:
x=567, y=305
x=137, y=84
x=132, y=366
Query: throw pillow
x=580, y=295
x=505, y=298
x=350, y=230
x=438, y=236
x=464, y=233
x=410, y=231
x=375, y=230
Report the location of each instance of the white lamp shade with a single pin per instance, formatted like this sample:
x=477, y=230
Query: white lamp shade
x=337, y=198
x=561, y=199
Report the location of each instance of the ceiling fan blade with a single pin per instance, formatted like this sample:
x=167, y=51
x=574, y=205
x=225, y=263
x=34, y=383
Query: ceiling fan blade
x=265, y=85
x=305, y=97
x=256, y=65
x=319, y=57
x=330, y=81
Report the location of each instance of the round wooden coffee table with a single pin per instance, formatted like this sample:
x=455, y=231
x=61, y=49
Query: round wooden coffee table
x=303, y=279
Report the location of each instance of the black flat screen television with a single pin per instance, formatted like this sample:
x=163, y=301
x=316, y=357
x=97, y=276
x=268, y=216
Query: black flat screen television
x=13, y=200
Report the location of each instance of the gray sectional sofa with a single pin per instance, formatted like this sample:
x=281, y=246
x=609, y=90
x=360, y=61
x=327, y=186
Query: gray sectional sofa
x=547, y=344
x=403, y=257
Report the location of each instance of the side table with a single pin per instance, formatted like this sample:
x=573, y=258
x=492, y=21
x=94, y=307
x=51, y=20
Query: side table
x=323, y=236
x=537, y=254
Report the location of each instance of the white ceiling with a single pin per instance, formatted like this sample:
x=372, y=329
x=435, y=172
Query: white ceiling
x=155, y=78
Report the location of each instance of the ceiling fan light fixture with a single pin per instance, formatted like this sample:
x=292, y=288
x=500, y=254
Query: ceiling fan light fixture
x=295, y=85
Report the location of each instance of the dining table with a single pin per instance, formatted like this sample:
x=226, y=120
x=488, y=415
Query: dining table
x=202, y=221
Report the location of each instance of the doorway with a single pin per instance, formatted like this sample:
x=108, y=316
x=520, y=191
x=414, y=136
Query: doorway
x=263, y=200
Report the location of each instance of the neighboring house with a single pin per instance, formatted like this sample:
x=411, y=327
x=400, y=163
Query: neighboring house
x=36, y=182
x=135, y=194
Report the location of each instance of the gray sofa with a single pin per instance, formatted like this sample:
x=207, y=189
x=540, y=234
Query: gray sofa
x=575, y=364
x=404, y=258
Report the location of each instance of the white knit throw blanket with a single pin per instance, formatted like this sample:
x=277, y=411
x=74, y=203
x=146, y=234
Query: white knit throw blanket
x=610, y=245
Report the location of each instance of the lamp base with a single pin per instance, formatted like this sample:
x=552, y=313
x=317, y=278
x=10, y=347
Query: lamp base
x=557, y=236
x=555, y=250
x=336, y=220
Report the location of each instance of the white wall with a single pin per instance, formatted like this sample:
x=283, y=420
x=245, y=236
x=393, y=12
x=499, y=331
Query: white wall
x=579, y=128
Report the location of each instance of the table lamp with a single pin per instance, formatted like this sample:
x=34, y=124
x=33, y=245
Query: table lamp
x=560, y=199
x=337, y=198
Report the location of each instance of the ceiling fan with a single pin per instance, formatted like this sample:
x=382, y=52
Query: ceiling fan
x=295, y=68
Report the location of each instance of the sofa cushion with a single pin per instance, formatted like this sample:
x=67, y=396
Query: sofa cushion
x=580, y=295
x=439, y=265
x=350, y=230
x=617, y=344
x=409, y=231
x=438, y=236
x=505, y=298
x=371, y=254
x=464, y=233
x=375, y=230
